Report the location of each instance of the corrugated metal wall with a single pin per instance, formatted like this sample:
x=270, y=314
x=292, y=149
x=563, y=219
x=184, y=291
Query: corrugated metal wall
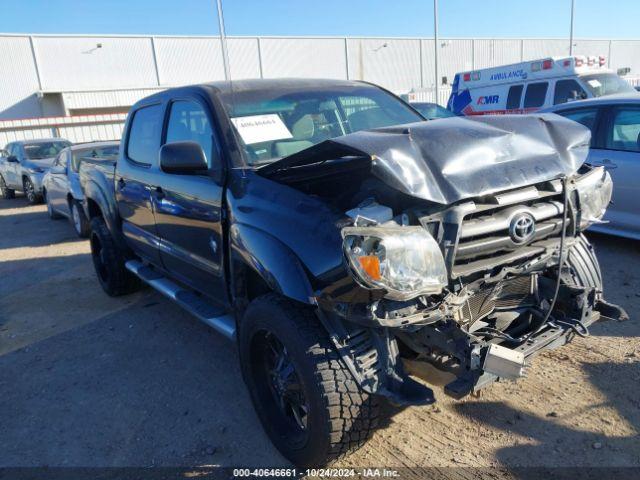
x=81, y=63
x=75, y=63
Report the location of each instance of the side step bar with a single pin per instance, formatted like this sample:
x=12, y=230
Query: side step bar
x=213, y=316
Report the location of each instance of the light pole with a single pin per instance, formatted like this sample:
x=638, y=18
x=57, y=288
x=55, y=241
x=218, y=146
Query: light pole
x=435, y=42
x=571, y=29
x=223, y=41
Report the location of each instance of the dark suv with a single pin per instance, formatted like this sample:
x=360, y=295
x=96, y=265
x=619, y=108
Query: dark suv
x=334, y=234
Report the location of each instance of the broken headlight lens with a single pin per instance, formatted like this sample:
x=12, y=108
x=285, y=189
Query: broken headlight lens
x=405, y=261
x=594, y=193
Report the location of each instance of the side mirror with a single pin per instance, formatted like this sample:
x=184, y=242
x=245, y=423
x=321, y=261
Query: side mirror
x=183, y=158
x=12, y=159
x=58, y=170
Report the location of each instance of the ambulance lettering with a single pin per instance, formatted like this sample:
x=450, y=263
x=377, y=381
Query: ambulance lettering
x=488, y=100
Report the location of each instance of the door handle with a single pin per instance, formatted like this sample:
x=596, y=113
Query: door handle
x=158, y=193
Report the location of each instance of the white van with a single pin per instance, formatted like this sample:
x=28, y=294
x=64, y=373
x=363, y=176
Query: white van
x=529, y=86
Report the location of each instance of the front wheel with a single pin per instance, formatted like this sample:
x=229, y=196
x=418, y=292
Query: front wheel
x=30, y=191
x=308, y=402
x=6, y=192
x=109, y=261
x=79, y=220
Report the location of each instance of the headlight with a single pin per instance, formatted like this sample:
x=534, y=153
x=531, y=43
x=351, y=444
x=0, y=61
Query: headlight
x=35, y=170
x=405, y=261
x=594, y=193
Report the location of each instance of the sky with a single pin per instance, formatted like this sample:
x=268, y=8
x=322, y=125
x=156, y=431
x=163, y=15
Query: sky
x=399, y=18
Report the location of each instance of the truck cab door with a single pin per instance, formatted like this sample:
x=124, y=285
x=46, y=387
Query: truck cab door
x=188, y=208
x=135, y=177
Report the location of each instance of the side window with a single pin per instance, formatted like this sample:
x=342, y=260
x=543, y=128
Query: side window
x=586, y=117
x=188, y=121
x=61, y=159
x=144, y=135
x=536, y=93
x=568, y=90
x=513, y=99
x=624, y=131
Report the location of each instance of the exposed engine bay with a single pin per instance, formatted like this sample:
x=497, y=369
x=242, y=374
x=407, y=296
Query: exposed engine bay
x=468, y=243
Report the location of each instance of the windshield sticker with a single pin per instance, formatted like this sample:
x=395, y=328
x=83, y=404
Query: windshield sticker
x=261, y=128
x=594, y=83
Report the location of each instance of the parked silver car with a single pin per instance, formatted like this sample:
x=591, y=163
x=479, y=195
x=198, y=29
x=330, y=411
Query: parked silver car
x=614, y=122
x=61, y=184
x=24, y=163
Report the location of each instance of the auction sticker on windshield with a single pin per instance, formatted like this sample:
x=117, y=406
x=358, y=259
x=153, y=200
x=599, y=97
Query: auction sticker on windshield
x=261, y=128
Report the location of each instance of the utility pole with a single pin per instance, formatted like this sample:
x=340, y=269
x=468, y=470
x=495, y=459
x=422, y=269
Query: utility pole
x=573, y=2
x=223, y=41
x=435, y=42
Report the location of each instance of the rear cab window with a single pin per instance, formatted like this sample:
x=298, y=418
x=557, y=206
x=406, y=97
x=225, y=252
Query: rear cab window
x=143, y=140
x=536, y=95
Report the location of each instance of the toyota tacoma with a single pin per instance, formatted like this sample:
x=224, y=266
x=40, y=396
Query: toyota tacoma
x=350, y=247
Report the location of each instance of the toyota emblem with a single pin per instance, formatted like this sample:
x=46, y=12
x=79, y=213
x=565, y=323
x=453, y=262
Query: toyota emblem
x=522, y=228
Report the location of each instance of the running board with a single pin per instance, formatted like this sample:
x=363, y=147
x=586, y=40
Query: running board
x=213, y=316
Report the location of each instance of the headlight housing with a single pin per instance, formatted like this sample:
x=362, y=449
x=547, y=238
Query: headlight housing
x=594, y=194
x=405, y=261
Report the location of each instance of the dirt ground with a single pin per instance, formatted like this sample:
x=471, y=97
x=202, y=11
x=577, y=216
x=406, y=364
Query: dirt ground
x=87, y=380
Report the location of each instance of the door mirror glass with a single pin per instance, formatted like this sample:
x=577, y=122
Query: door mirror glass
x=12, y=159
x=183, y=158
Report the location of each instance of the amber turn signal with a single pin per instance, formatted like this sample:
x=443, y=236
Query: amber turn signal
x=371, y=265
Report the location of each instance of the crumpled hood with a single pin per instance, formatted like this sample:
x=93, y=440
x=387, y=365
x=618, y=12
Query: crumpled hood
x=451, y=159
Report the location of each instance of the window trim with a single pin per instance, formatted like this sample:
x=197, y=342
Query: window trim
x=132, y=117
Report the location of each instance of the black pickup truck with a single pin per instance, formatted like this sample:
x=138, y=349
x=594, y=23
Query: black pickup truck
x=348, y=246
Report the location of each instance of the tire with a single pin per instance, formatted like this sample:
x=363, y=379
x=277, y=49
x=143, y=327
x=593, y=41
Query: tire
x=109, y=261
x=6, y=192
x=30, y=191
x=337, y=417
x=78, y=219
x=583, y=266
x=53, y=215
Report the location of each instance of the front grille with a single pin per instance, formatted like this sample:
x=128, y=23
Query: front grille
x=484, y=236
x=509, y=294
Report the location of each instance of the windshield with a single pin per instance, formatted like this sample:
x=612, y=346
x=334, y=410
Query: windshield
x=432, y=111
x=605, y=84
x=40, y=150
x=274, y=123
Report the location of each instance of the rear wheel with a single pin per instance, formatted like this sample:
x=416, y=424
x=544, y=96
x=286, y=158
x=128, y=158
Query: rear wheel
x=30, y=191
x=109, y=261
x=6, y=192
x=306, y=399
x=78, y=219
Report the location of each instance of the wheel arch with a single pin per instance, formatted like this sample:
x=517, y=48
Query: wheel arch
x=260, y=263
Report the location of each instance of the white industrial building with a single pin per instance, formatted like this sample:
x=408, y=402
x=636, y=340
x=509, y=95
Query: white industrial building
x=80, y=87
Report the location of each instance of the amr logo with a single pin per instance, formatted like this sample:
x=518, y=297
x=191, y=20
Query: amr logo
x=488, y=99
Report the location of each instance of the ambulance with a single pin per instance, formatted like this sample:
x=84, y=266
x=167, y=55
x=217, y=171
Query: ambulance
x=529, y=86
